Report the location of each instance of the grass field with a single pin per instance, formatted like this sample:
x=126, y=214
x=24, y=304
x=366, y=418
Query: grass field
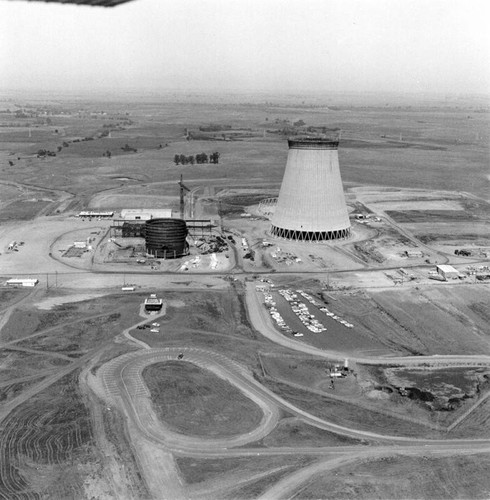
x=404, y=477
x=428, y=321
x=214, y=312
x=195, y=402
x=350, y=415
x=196, y=470
x=292, y=432
x=442, y=147
x=414, y=216
x=27, y=320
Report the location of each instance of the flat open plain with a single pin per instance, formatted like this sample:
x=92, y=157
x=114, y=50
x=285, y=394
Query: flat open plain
x=218, y=401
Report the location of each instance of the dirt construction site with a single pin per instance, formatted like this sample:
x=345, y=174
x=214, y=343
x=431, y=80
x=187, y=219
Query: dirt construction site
x=270, y=368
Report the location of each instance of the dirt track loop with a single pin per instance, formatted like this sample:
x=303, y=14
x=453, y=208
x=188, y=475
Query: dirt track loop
x=123, y=382
x=123, y=385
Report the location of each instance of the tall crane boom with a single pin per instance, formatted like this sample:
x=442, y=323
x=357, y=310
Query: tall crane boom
x=183, y=189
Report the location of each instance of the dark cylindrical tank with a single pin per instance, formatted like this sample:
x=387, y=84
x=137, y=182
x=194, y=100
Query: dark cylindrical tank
x=166, y=238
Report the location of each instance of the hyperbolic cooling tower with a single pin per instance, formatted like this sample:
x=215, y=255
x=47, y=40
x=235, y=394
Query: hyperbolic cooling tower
x=311, y=204
x=166, y=238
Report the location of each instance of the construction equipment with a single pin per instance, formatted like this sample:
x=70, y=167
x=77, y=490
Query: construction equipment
x=183, y=188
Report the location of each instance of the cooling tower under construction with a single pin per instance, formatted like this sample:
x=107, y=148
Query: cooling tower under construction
x=311, y=204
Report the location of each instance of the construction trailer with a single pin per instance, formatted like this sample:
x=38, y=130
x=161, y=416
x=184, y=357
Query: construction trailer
x=18, y=282
x=414, y=254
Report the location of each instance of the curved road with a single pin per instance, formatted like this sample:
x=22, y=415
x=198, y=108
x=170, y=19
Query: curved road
x=123, y=386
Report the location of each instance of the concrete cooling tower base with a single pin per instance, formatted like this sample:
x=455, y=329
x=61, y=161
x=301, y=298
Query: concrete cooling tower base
x=309, y=236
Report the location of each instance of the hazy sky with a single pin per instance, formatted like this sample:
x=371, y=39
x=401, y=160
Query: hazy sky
x=277, y=45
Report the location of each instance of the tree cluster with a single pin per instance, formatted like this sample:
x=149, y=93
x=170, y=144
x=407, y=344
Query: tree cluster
x=42, y=153
x=199, y=159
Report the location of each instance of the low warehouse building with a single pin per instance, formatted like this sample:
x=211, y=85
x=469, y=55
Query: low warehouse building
x=22, y=282
x=146, y=213
x=414, y=254
x=447, y=271
x=96, y=215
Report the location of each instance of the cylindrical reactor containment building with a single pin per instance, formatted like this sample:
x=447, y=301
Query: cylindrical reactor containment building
x=311, y=204
x=166, y=238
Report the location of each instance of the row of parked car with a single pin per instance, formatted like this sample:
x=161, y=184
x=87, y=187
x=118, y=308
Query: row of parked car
x=313, y=301
x=302, y=312
x=276, y=316
x=154, y=327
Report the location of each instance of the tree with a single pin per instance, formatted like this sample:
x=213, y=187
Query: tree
x=190, y=159
x=214, y=157
x=177, y=159
x=201, y=158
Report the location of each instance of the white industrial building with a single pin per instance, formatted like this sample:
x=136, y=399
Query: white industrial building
x=414, y=254
x=447, y=271
x=22, y=282
x=311, y=204
x=146, y=213
x=96, y=215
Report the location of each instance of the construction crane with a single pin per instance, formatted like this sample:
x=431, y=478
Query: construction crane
x=183, y=189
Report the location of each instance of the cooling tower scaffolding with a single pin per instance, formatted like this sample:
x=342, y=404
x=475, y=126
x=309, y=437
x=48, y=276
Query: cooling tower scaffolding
x=311, y=204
